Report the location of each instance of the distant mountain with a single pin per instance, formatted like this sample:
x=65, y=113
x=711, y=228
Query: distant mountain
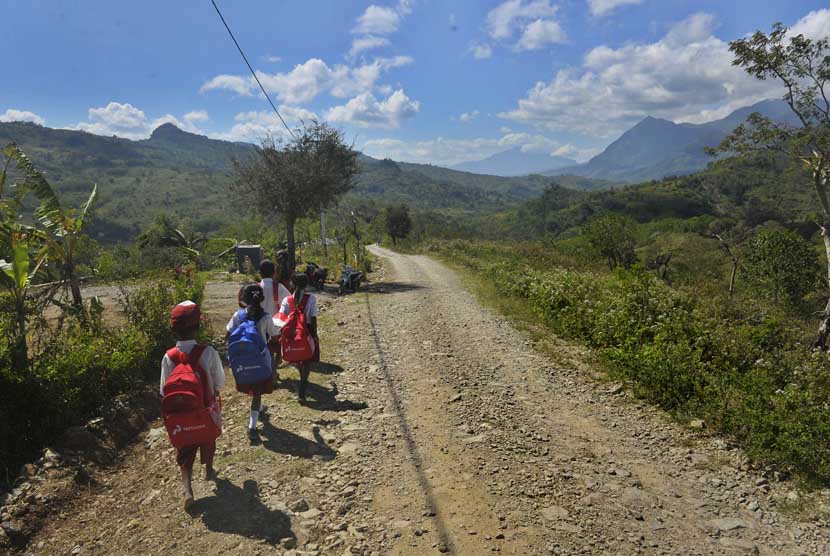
x=655, y=148
x=189, y=177
x=514, y=162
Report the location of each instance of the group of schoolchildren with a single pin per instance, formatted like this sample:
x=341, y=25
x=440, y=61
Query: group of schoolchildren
x=276, y=321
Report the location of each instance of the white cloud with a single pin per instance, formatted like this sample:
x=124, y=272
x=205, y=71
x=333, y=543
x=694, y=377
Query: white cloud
x=365, y=110
x=367, y=42
x=379, y=20
x=310, y=79
x=272, y=59
x=481, y=51
x=503, y=20
x=447, y=152
x=382, y=20
x=254, y=126
x=239, y=85
x=815, y=24
x=123, y=120
x=540, y=33
x=604, y=7
x=531, y=18
x=469, y=116
x=685, y=76
x=197, y=116
x=130, y=122
x=13, y=115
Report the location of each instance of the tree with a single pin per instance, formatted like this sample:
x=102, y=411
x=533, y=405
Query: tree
x=613, y=236
x=781, y=265
x=398, y=222
x=298, y=178
x=802, y=66
x=62, y=228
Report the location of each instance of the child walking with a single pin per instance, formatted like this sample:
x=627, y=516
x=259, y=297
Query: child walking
x=185, y=320
x=274, y=292
x=253, y=297
x=301, y=298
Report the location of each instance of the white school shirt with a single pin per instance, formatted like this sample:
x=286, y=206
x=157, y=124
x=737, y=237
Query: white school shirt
x=269, y=304
x=265, y=325
x=311, y=310
x=209, y=362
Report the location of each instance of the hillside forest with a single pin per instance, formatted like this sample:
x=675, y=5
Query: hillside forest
x=705, y=291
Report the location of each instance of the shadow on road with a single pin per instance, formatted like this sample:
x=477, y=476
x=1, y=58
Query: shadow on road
x=323, y=399
x=390, y=287
x=326, y=368
x=239, y=511
x=286, y=442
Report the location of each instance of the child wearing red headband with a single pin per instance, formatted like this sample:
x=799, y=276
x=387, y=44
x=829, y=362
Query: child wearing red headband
x=185, y=319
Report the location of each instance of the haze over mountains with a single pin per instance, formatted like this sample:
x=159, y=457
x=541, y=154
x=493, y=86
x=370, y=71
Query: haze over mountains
x=174, y=171
x=652, y=149
x=655, y=148
x=515, y=162
x=189, y=177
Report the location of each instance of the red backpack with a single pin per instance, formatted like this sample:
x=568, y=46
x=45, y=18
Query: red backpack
x=188, y=407
x=295, y=340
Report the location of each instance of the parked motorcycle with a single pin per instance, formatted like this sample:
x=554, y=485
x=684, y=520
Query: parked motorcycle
x=349, y=280
x=316, y=275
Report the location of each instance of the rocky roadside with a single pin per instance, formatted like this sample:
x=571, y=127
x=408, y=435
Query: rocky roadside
x=436, y=428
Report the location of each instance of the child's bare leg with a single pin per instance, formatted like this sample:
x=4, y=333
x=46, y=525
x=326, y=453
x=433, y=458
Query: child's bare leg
x=207, y=451
x=305, y=370
x=187, y=487
x=256, y=404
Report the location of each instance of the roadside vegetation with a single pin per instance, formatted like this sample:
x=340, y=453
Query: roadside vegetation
x=703, y=292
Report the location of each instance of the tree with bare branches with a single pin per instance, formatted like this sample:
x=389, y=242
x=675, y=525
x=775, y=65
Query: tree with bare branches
x=802, y=66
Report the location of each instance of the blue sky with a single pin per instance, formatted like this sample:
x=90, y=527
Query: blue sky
x=438, y=81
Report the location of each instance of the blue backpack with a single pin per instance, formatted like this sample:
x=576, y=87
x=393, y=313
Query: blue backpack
x=249, y=356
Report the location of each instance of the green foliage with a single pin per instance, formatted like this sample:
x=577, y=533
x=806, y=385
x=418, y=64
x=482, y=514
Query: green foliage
x=613, y=237
x=397, y=222
x=747, y=375
x=83, y=364
x=782, y=265
x=297, y=179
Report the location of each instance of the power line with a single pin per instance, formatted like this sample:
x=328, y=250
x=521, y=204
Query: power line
x=239, y=48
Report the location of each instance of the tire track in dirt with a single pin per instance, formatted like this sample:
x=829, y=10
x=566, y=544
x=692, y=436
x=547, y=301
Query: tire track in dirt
x=411, y=445
x=435, y=428
x=571, y=465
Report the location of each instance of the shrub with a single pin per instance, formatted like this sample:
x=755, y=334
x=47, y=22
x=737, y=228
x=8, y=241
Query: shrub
x=781, y=265
x=692, y=354
x=613, y=236
x=81, y=366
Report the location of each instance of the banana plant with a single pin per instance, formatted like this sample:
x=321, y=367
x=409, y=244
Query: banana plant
x=16, y=276
x=190, y=243
x=61, y=227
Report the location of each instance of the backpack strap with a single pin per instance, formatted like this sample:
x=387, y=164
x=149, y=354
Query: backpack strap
x=175, y=355
x=193, y=358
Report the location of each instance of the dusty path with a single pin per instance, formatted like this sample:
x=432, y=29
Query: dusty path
x=436, y=428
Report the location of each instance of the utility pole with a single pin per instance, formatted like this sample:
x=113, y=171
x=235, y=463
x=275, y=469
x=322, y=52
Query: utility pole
x=323, y=232
x=356, y=238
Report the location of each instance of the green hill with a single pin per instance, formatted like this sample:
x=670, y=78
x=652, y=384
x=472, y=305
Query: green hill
x=188, y=176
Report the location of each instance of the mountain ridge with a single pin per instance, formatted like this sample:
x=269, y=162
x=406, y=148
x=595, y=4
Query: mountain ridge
x=189, y=177
x=655, y=148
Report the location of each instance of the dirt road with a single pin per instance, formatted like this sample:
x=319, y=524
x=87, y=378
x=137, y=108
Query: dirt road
x=436, y=428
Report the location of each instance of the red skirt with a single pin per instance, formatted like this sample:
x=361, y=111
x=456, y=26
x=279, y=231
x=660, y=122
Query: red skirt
x=264, y=387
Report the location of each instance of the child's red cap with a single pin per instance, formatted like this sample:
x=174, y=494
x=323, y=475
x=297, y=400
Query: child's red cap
x=185, y=313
